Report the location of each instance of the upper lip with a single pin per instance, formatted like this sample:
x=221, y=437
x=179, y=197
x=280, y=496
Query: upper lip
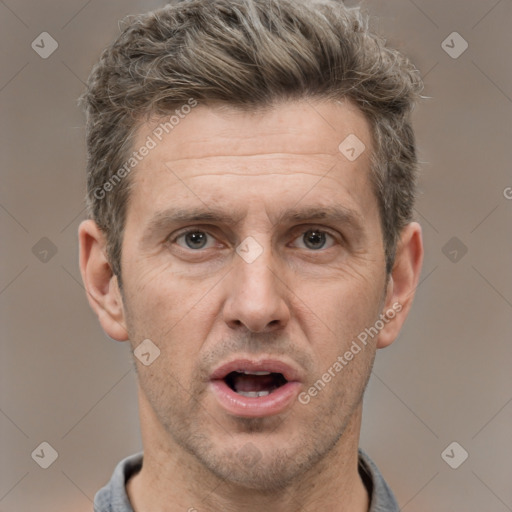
x=289, y=372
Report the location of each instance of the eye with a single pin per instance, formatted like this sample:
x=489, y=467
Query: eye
x=314, y=239
x=195, y=240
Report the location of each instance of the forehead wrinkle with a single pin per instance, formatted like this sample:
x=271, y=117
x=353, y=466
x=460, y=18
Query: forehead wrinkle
x=262, y=154
x=314, y=164
x=286, y=163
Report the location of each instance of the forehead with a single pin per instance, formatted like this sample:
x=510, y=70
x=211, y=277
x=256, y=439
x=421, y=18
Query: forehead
x=305, y=126
x=221, y=155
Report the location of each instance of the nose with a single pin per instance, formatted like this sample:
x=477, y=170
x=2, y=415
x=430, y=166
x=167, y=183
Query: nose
x=256, y=297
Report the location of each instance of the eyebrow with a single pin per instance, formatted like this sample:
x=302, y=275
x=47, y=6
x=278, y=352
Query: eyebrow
x=164, y=219
x=337, y=214
x=211, y=214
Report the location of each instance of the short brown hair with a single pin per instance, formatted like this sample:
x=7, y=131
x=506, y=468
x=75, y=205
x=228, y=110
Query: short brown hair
x=249, y=54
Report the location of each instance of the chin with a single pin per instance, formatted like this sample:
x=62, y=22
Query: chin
x=271, y=473
x=262, y=466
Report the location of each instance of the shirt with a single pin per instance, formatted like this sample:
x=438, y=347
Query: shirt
x=113, y=497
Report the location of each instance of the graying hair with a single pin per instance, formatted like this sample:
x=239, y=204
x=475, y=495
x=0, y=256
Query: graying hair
x=250, y=54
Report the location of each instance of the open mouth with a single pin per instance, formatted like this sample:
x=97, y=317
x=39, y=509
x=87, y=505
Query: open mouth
x=254, y=384
x=250, y=388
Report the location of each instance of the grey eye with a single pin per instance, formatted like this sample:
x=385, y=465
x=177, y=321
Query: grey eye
x=194, y=239
x=314, y=239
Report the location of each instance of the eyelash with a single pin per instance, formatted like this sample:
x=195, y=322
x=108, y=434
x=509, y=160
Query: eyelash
x=337, y=238
x=189, y=231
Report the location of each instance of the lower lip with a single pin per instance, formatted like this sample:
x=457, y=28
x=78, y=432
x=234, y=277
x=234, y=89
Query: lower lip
x=255, y=407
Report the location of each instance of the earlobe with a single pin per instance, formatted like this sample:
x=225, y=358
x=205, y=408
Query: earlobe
x=402, y=282
x=100, y=283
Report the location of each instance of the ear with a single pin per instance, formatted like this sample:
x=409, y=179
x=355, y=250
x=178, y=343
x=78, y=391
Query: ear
x=100, y=283
x=402, y=283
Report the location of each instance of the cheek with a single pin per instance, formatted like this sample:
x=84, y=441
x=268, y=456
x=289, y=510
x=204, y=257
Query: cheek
x=176, y=316
x=160, y=296
x=339, y=309
x=342, y=362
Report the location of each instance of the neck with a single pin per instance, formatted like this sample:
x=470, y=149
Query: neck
x=173, y=480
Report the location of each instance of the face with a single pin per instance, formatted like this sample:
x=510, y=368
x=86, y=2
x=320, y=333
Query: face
x=253, y=258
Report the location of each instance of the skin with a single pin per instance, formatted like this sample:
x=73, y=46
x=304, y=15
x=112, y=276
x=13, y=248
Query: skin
x=296, y=302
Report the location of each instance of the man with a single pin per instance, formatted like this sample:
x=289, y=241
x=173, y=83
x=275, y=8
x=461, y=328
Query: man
x=251, y=179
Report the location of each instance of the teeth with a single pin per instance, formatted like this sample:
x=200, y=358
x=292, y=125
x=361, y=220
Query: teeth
x=253, y=394
x=254, y=373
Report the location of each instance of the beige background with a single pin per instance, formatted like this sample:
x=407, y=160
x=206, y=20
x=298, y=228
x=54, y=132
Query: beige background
x=447, y=378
